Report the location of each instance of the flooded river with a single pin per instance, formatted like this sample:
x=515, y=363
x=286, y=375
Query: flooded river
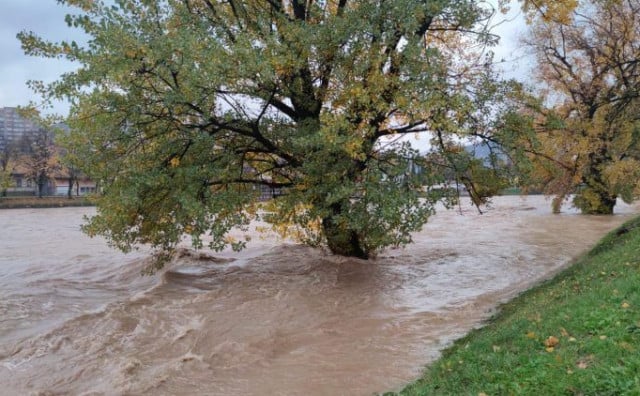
x=277, y=319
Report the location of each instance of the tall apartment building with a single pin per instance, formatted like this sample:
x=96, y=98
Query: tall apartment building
x=13, y=127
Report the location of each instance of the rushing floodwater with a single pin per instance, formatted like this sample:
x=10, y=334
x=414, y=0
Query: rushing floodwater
x=277, y=319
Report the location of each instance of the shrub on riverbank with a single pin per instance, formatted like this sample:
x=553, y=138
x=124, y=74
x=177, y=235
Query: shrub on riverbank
x=578, y=334
x=44, y=202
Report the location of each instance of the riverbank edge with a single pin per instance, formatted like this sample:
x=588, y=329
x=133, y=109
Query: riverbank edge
x=577, y=333
x=32, y=202
x=42, y=203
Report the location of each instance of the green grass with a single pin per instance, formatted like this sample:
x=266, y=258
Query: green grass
x=593, y=311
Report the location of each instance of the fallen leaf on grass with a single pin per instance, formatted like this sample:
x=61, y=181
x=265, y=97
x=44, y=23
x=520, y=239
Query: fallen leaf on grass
x=584, y=362
x=551, y=342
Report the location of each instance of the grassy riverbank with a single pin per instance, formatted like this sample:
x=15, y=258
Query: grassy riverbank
x=44, y=202
x=578, y=334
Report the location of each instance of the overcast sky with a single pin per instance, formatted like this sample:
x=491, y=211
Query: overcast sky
x=46, y=18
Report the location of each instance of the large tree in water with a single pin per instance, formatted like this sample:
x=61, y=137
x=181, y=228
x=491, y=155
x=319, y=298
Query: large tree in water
x=182, y=109
x=587, y=139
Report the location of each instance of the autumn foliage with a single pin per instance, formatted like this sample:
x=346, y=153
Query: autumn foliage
x=185, y=111
x=584, y=134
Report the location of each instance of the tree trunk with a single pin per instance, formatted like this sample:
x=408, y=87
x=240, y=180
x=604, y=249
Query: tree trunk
x=595, y=201
x=41, y=181
x=342, y=240
x=603, y=206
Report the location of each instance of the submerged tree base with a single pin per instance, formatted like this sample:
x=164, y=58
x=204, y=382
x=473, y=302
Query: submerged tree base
x=595, y=203
x=343, y=242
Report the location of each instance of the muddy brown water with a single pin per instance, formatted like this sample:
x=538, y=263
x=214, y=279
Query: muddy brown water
x=76, y=317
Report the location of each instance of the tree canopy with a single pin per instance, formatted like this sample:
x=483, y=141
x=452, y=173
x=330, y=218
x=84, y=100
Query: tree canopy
x=185, y=110
x=8, y=160
x=39, y=158
x=587, y=130
x=559, y=11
